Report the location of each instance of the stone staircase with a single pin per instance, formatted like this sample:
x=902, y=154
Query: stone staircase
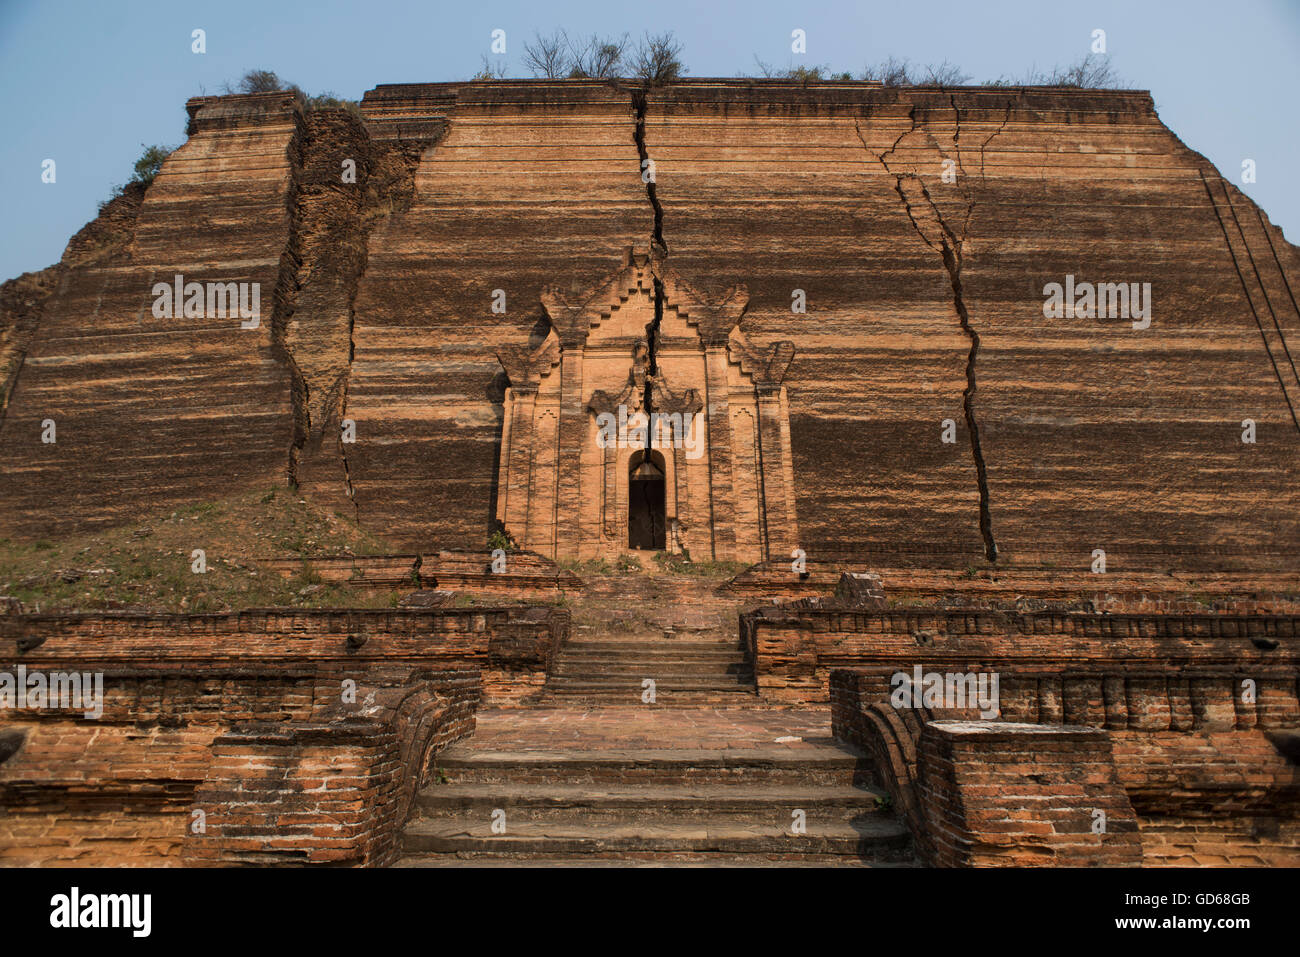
x=626, y=672
x=632, y=807
x=593, y=774
x=672, y=629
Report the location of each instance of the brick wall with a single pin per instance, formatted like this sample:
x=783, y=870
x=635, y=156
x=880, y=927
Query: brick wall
x=1216, y=789
x=998, y=794
x=1052, y=662
x=333, y=791
x=300, y=735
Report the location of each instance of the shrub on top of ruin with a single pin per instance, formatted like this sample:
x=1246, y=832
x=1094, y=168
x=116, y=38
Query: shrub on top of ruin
x=149, y=163
x=891, y=73
x=143, y=172
x=268, y=81
x=596, y=58
x=657, y=59
x=546, y=56
x=328, y=101
x=894, y=72
x=1092, y=72
x=559, y=56
x=490, y=71
x=944, y=74
x=259, y=81
x=802, y=74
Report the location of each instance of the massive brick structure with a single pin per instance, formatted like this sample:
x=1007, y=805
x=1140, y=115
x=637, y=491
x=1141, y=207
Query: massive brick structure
x=919, y=225
x=797, y=329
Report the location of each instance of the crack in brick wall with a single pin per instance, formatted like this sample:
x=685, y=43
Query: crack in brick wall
x=658, y=249
x=328, y=253
x=949, y=246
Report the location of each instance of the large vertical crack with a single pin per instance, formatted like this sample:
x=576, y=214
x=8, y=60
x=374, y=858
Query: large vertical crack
x=658, y=251
x=952, y=262
x=342, y=184
x=285, y=298
x=948, y=244
x=343, y=408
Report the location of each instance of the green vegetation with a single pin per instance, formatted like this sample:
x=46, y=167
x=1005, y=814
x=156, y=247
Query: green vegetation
x=149, y=163
x=589, y=566
x=143, y=172
x=147, y=565
x=1092, y=72
x=268, y=81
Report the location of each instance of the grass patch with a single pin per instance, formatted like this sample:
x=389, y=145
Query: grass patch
x=681, y=565
x=146, y=565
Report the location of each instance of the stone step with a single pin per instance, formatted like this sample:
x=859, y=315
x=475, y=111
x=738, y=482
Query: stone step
x=875, y=836
x=820, y=765
x=767, y=805
x=625, y=859
x=652, y=669
x=627, y=684
x=675, y=651
x=671, y=701
x=648, y=647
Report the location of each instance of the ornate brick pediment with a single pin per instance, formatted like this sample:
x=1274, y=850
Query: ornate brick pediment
x=526, y=367
x=633, y=395
x=767, y=370
x=580, y=456
x=713, y=320
x=574, y=316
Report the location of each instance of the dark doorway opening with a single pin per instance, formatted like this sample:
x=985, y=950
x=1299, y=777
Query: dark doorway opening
x=646, y=515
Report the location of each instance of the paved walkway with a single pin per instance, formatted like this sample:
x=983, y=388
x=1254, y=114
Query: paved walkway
x=643, y=727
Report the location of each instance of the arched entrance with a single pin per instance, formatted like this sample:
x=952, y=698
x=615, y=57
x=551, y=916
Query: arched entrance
x=646, y=514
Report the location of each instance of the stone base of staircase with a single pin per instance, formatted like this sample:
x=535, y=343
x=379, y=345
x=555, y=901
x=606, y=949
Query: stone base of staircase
x=755, y=804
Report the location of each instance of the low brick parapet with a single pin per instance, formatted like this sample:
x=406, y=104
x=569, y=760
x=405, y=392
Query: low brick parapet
x=998, y=794
x=299, y=735
x=1223, y=793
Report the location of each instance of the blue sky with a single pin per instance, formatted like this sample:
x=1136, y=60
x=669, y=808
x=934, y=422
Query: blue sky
x=87, y=83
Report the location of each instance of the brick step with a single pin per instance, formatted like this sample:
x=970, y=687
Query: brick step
x=670, y=701
x=682, y=700
x=673, y=651
x=590, y=621
x=625, y=859
x=821, y=765
x=627, y=684
x=764, y=805
x=718, y=658
x=874, y=836
x=652, y=669
x=731, y=646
